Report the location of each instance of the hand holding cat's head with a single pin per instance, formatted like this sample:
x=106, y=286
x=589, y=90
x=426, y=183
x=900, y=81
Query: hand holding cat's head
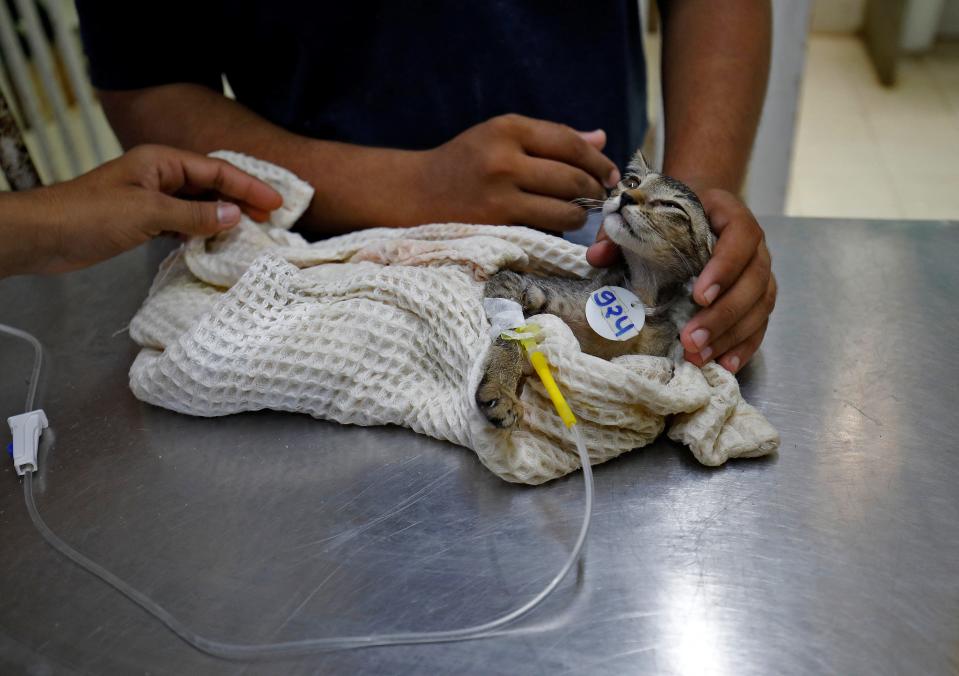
x=658, y=221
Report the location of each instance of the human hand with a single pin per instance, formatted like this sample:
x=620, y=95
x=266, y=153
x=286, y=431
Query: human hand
x=736, y=288
x=130, y=200
x=517, y=170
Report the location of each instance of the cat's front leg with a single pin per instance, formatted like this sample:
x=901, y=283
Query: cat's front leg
x=502, y=383
x=524, y=289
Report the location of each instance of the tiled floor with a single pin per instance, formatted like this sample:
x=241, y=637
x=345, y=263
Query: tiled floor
x=863, y=150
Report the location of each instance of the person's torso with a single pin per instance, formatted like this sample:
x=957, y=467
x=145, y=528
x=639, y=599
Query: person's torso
x=413, y=74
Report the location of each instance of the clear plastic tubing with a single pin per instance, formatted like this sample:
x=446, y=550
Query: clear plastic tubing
x=37, y=363
x=241, y=651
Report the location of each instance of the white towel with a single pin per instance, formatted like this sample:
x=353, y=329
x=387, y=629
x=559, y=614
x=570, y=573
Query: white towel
x=387, y=326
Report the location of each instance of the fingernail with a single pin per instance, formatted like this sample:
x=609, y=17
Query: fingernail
x=613, y=178
x=706, y=353
x=700, y=338
x=711, y=293
x=734, y=364
x=227, y=213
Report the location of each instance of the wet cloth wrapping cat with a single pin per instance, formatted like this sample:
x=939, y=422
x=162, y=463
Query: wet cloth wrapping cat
x=387, y=326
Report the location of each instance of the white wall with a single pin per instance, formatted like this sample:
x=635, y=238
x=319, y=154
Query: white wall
x=838, y=16
x=949, y=24
x=768, y=178
x=846, y=16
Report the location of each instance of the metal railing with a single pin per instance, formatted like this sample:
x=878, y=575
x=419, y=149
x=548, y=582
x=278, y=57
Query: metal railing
x=43, y=76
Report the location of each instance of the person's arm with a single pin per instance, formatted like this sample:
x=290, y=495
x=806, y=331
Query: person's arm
x=715, y=64
x=715, y=60
x=122, y=204
x=715, y=67
x=506, y=170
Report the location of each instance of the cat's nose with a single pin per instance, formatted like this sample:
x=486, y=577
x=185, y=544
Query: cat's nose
x=630, y=197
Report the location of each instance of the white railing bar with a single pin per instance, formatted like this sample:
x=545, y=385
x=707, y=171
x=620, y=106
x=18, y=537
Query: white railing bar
x=24, y=88
x=41, y=57
x=75, y=71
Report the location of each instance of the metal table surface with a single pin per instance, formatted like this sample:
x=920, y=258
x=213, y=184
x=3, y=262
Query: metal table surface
x=839, y=555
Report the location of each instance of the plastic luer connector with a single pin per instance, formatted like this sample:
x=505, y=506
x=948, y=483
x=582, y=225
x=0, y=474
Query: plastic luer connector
x=27, y=428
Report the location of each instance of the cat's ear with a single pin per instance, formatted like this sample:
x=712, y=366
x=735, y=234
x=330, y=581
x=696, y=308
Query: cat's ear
x=638, y=165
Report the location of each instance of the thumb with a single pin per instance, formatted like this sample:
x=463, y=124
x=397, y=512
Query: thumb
x=595, y=138
x=198, y=218
x=604, y=252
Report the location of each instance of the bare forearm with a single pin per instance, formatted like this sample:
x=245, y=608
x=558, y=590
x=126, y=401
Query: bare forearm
x=715, y=66
x=28, y=239
x=355, y=186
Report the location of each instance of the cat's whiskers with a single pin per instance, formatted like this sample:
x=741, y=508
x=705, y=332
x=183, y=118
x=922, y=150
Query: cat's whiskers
x=588, y=203
x=683, y=258
x=680, y=256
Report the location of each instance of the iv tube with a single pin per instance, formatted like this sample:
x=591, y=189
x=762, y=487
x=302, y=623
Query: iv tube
x=241, y=651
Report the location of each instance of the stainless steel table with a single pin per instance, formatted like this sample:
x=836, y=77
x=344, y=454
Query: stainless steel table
x=840, y=555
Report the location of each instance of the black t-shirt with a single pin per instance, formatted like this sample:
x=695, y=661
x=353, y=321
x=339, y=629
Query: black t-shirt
x=392, y=73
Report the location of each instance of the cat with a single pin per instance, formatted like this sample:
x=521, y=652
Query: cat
x=665, y=237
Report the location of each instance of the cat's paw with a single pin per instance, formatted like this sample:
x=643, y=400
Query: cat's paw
x=500, y=406
x=534, y=300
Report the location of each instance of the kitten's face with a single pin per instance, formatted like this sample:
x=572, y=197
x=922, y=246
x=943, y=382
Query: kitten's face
x=659, y=220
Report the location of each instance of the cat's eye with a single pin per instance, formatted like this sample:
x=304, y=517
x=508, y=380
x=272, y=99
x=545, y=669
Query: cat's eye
x=630, y=183
x=666, y=203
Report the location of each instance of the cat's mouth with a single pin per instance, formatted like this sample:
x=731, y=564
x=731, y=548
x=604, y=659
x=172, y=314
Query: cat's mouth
x=621, y=231
x=618, y=226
